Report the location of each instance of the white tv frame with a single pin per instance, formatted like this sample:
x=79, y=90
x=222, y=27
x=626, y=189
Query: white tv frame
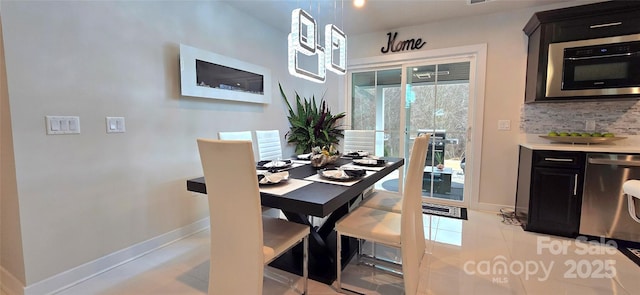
x=189, y=86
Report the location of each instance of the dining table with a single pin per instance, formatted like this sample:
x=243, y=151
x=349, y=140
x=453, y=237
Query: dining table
x=307, y=194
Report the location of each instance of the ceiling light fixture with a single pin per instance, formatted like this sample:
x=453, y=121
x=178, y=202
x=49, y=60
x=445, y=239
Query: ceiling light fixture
x=304, y=39
x=358, y=3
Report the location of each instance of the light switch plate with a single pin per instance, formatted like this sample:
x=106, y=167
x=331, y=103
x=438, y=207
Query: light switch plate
x=504, y=125
x=57, y=125
x=115, y=125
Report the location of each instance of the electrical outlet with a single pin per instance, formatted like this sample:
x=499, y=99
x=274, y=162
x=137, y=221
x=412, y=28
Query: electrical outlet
x=590, y=125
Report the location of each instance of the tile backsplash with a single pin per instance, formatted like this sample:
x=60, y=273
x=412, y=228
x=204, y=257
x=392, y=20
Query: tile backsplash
x=619, y=117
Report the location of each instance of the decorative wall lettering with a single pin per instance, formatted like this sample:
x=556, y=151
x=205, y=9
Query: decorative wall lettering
x=304, y=39
x=409, y=44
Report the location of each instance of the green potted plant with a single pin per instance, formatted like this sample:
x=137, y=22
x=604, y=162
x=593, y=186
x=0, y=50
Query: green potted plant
x=439, y=158
x=311, y=126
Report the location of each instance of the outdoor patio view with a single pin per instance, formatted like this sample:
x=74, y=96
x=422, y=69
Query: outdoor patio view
x=439, y=108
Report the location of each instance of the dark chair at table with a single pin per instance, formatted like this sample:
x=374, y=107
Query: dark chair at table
x=243, y=240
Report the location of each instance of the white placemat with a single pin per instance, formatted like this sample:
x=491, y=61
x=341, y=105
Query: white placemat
x=280, y=189
x=317, y=178
x=352, y=165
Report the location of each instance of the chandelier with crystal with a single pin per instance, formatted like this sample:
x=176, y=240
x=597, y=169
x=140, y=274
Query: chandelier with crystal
x=304, y=39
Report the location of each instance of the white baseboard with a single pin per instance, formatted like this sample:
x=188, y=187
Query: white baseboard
x=10, y=284
x=90, y=269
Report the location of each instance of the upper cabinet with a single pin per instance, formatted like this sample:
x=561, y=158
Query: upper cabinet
x=588, y=59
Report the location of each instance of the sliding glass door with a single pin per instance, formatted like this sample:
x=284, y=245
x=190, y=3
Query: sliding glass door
x=408, y=100
x=437, y=103
x=375, y=105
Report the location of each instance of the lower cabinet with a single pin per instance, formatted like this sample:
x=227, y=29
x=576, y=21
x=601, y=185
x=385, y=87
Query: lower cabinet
x=549, y=194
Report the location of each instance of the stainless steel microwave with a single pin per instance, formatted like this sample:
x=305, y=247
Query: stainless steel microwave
x=596, y=67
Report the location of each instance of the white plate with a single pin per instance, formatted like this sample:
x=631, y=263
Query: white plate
x=273, y=164
x=339, y=174
x=369, y=162
x=304, y=156
x=276, y=164
x=273, y=178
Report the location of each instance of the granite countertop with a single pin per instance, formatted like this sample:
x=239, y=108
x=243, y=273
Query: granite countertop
x=629, y=145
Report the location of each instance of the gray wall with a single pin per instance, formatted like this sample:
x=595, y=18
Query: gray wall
x=10, y=240
x=84, y=196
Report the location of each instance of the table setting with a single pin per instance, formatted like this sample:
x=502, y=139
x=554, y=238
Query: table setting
x=340, y=176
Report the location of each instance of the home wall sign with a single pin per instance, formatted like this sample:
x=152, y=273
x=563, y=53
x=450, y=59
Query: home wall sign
x=409, y=44
x=303, y=39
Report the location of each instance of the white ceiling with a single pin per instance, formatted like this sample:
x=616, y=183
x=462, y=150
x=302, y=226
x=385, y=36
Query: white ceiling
x=376, y=15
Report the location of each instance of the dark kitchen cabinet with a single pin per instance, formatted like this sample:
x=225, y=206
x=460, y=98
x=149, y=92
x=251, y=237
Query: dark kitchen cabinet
x=598, y=20
x=599, y=26
x=549, y=194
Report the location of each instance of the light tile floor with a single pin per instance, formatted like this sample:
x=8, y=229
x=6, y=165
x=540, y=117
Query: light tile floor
x=476, y=256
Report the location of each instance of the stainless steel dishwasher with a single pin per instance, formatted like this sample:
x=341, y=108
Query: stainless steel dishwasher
x=604, y=206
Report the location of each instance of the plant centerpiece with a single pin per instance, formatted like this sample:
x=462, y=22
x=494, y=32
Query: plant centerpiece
x=320, y=157
x=311, y=126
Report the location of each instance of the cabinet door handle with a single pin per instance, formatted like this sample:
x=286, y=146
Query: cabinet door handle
x=558, y=160
x=575, y=185
x=605, y=25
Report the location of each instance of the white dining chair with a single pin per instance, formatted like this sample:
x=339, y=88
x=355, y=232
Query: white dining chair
x=235, y=135
x=243, y=241
x=385, y=200
x=632, y=189
x=246, y=135
x=390, y=228
x=269, y=145
x=359, y=140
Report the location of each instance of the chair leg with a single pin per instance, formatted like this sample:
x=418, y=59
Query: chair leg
x=305, y=264
x=373, y=251
x=338, y=260
x=268, y=273
x=632, y=208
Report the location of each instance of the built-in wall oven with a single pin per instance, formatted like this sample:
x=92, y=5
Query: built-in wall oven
x=604, y=206
x=595, y=67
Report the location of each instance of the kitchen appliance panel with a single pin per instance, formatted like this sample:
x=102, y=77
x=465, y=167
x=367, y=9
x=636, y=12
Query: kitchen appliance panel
x=604, y=205
x=596, y=67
